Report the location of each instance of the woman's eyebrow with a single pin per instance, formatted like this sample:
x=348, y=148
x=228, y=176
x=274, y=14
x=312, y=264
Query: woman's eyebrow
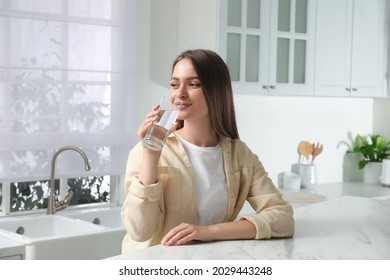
x=187, y=78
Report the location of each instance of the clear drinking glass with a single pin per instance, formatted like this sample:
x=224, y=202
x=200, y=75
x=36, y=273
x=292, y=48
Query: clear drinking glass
x=157, y=134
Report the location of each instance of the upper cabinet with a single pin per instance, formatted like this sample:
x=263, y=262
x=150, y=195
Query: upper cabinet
x=351, y=57
x=268, y=45
x=306, y=47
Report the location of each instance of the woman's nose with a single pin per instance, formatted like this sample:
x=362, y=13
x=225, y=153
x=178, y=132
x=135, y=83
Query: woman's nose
x=182, y=92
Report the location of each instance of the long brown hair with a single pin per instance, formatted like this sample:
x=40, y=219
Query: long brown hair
x=217, y=87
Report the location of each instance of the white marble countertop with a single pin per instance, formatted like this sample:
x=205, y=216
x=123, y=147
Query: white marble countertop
x=322, y=192
x=360, y=189
x=338, y=228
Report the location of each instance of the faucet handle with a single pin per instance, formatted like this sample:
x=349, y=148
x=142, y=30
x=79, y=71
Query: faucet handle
x=68, y=197
x=64, y=203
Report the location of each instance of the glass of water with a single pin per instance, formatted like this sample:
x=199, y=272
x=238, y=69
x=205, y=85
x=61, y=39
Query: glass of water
x=157, y=134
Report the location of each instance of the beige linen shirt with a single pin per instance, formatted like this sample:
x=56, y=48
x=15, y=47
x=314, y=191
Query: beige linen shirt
x=149, y=212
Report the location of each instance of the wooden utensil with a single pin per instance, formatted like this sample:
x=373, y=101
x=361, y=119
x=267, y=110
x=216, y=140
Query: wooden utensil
x=300, y=151
x=305, y=148
x=317, y=149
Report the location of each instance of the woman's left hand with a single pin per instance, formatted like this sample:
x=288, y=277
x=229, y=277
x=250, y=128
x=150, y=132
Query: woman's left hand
x=185, y=233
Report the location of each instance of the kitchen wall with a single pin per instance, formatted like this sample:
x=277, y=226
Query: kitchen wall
x=271, y=126
x=381, y=124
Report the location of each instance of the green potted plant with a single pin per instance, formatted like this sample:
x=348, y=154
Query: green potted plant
x=374, y=149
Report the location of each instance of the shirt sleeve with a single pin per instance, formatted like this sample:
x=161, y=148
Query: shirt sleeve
x=274, y=215
x=142, y=213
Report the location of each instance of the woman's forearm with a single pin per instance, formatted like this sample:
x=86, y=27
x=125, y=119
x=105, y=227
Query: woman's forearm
x=148, y=173
x=242, y=229
x=184, y=233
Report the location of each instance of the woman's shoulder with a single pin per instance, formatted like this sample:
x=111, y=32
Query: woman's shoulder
x=236, y=145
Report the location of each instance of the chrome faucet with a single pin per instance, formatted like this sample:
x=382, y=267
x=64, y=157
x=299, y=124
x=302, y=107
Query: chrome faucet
x=52, y=206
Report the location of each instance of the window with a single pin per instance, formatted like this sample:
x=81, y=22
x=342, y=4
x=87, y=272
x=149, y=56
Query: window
x=64, y=80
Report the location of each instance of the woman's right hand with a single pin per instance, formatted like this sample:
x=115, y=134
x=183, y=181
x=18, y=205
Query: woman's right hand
x=148, y=173
x=150, y=120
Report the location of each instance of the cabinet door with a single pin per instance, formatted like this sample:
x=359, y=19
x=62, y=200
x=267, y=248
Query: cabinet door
x=244, y=43
x=292, y=47
x=12, y=257
x=333, y=47
x=350, y=48
x=267, y=45
x=368, y=48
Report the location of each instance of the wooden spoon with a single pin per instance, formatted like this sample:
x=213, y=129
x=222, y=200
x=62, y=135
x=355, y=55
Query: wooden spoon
x=305, y=148
x=316, y=151
x=300, y=155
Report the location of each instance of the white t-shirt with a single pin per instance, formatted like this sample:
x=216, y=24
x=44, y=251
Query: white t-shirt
x=210, y=181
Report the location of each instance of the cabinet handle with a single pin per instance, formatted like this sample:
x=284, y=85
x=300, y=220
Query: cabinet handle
x=348, y=89
x=273, y=87
x=354, y=89
x=265, y=87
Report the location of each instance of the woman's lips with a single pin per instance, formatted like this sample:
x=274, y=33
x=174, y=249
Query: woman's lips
x=182, y=105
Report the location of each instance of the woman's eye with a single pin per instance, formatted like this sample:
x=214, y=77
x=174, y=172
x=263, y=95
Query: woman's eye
x=194, y=85
x=174, y=85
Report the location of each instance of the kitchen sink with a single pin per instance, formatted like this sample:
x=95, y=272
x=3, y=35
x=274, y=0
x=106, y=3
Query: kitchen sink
x=63, y=237
x=107, y=216
x=44, y=227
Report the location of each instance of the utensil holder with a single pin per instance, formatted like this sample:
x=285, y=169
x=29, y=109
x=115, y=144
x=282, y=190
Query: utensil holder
x=307, y=172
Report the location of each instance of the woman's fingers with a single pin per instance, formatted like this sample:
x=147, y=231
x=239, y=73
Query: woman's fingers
x=150, y=119
x=176, y=234
x=174, y=127
x=182, y=234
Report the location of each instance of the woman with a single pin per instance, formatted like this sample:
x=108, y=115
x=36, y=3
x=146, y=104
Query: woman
x=195, y=187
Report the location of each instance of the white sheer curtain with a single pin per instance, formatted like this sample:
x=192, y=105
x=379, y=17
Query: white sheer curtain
x=64, y=80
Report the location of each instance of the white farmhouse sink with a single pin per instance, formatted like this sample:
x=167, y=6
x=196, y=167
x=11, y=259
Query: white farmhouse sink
x=44, y=227
x=107, y=216
x=59, y=237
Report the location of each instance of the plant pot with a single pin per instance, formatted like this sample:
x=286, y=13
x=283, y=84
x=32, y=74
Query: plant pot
x=372, y=172
x=351, y=171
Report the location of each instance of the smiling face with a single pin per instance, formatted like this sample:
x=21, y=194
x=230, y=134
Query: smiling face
x=201, y=79
x=185, y=86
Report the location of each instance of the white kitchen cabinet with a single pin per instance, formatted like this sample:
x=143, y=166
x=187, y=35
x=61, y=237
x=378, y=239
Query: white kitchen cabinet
x=11, y=250
x=351, y=57
x=268, y=45
x=13, y=257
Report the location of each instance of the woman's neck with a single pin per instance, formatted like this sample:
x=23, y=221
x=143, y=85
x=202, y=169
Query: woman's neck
x=199, y=134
